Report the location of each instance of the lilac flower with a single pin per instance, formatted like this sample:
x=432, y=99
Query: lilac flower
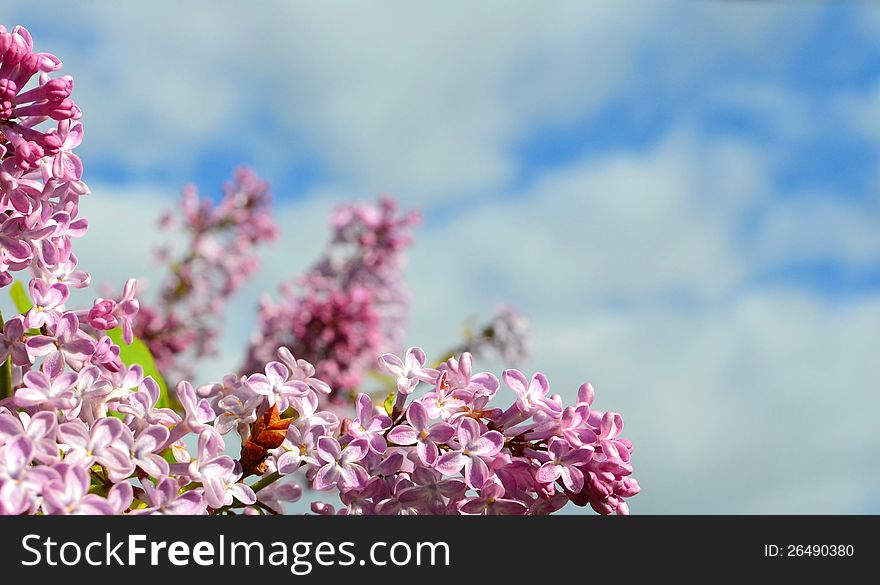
x=310, y=414
x=67, y=345
x=107, y=355
x=237, y=413
x=198, y=411
x=65, y=164
x=563, y=462
x=65, y=273
x=461, y=378
x=47, y=392
x=339, y=467
x=430, y=491
x=609, y=429
x=17, y=474
x=99, y=444
x=144, y=448
x=410, y=370
x=474, y=446
x=276, y=386
x=234, y=490
x=165, y=498
x=39, y=429
x=279, y=492
x=12, y=344
x=120, y=497
x=422, y=434
x=369, y=424
x=442, y=402
x=209, y=467
x=141, y=407
x=298, y=449
x=303, y=371
x=531, y=395
x=491, y=502
x=69, y=494
x=48, y=300
x=127, y=308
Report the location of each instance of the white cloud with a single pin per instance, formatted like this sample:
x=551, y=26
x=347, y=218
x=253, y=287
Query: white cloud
x=820, y=227
x=424, y=100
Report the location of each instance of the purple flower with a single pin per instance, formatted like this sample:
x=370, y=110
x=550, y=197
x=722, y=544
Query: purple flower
x=65, y=164
x=48, y=300
x=491, y=502
x=303, y=371
x=19, y=481
x=47, y=392
x=276, y=386
x=369, y=425
x=474, y=446
x=430, y=491
x=237, y=412
x=298, y=449
x=609, y=429
x=165, y=498
x=12, y=344
x=209, y=467
x=67, y=345
x=198, y=411
x=531, y=395
x=563, y=462
x=410, y=370
x=69, y=494
x=339, y=467
x=144, y=448
x=422, y=434
x=99, y=444
x=461, y=378
x=127, y=308
x=309, y=413
x=278, y=492
x=236, y=490
x=140, y=406
x=39, y=429
x=442, y=402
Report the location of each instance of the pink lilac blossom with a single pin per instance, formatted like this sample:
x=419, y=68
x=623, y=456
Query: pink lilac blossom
x=350, y=305
x=218, y=259
x=82, y=433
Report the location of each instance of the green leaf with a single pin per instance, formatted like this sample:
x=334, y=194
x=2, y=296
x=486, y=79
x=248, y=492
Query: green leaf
x=389, y=403
x=138, y=353
x=22, y=302
x=20, y=297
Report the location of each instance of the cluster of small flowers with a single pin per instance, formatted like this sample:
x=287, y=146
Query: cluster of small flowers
x=350, y=305
x=82, y=432
x=219, y=258
x=452, y=452
x=40, y=177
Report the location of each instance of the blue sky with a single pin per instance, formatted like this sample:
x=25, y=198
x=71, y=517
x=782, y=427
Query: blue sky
x=682, y=196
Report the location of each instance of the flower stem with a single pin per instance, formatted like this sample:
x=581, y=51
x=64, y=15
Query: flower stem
x=5, y=371
x=266, y=481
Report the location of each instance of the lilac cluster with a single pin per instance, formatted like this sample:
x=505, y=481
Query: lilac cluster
x=452, y=451
x=219, y=258
x=83, y=432
x=350, y=306
x=40, y=177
